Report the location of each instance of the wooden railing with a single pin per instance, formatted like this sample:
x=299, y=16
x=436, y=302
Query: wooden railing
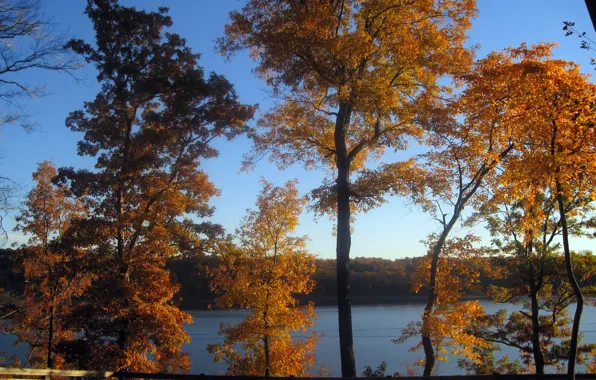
x=34, y=374
x=37, y=374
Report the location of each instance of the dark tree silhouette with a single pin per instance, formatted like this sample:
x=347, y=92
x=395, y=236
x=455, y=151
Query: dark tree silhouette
x=149, y=126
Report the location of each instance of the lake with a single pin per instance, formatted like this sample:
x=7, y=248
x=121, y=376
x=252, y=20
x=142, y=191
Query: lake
x=373, y=326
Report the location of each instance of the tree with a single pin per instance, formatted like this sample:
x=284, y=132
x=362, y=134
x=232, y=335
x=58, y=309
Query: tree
x=264, y=273
x=524, y=229
x=54, y=273
x=458, y=272
x=149, y=127
x=532, y=267
x=470, y=138
x=571, y=150
x=350, y=76
x=559, y=155
x=29, y=42
x=541, y=330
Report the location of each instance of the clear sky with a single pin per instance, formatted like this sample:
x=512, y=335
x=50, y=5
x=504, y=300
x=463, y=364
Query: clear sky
x=392, y=231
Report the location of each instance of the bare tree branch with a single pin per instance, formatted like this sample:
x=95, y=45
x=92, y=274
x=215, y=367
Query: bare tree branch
x=28, y=40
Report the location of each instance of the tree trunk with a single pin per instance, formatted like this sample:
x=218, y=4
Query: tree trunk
x=534, y=289
x=50, y=363
x=344, y=307
x=538, y=355
x=267, y=356
x=429, y=351
x=573, y=281
x=266, y=336
x=123, y=344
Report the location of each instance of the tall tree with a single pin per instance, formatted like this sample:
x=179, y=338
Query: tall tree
x=264, y=273
x=54, y=273
x=149, y=127
x=504, y=94
x=350, y=76
x=470, y=139
x=571, y=149
x=560, y=154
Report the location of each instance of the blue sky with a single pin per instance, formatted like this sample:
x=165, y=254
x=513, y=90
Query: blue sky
x=392, y=231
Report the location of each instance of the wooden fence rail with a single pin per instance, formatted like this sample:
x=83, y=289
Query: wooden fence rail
x=130, y=375
x=31, y=373
x=37, y=374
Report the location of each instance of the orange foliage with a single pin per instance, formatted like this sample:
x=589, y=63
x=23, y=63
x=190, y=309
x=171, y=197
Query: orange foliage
x=559, y=155
x=472, y=139
x=54, y=271
x=447, y=324
x=351, y=76
x=378, y=58
x=148, y=129
x=263, y=273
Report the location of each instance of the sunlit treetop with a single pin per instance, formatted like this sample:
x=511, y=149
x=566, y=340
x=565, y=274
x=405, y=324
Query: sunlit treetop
x=49, y=210
x=378, y=57
x=554, y=111
x=264, y=273
x=488, y=132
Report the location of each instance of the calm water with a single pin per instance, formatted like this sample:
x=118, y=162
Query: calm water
x=374, y=327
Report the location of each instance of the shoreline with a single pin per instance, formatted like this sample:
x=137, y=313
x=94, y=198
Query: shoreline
x=331, y=301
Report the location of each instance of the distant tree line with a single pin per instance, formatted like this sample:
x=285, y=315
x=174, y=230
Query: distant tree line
x=374, y=280
x=377, y=277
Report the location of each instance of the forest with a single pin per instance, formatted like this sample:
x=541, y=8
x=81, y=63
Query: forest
x=499, y=154
x=372, y=280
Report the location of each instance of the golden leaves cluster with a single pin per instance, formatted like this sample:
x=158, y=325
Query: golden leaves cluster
x=458, y=273
x=54, y=272
x=381, y=58
x=263, y=272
